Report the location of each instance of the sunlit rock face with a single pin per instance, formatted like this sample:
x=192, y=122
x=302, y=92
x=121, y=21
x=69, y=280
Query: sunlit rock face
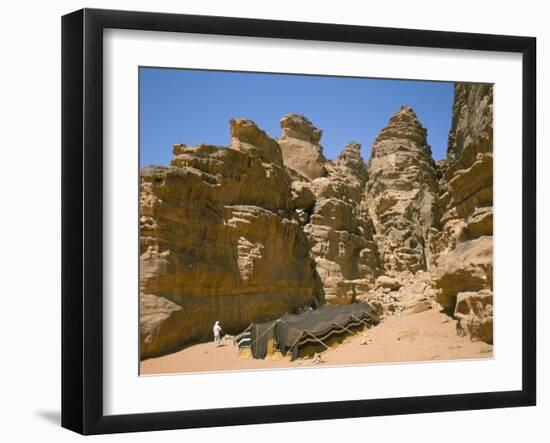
x=340, y=230
x=247, y=232
x=220, y=240
x=301, y=148
x=402, y=192
x=464, y=249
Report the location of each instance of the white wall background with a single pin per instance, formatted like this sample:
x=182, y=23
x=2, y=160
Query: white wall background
x=30, y=218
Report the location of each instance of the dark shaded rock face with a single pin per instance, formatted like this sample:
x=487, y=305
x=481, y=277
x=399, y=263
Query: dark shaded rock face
x=248, y=232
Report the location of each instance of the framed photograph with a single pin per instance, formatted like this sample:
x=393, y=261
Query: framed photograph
x=268, y=221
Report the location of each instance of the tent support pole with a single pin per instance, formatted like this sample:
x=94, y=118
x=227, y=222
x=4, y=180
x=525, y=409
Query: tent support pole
x=294, y=344
x=236, y=338
x=315, y=338
x=344, y=328
x=265, y=332
x=358, y=319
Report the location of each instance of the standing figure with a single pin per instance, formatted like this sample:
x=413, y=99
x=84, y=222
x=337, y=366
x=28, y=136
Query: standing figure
x=217, y=332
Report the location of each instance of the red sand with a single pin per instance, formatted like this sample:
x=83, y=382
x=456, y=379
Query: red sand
x=426, y=336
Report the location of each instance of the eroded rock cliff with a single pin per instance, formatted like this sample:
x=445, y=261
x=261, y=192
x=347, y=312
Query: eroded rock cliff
x=340, y=230
x=220, y=240
x=264, y=226
x=464, y=249
x=401, y=193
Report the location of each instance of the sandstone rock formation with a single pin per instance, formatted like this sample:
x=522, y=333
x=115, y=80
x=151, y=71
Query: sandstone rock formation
x=463, y=249
x=468, y=267
x=264, y=226
x=436, y=217
x=401, y=193
x=387, y=282
x=220, y=240
x=474, y=311
x=340, y=230
x=300, y=144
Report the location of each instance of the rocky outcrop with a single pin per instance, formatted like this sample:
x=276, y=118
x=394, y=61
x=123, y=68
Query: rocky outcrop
x=340, y=231
x=300, y=145
x=401, y=193
x=474, y=311
x=220, y=239
x=472, y=123
x=468, y=267
x=463, y=250
x=248, y=232
x=466, y=196
x=403, y=294
x=436, y=217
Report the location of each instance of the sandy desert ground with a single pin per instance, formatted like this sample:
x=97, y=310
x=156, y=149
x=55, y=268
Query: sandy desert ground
x=426, y=336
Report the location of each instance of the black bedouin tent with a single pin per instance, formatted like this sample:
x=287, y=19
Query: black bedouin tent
x=294, y=333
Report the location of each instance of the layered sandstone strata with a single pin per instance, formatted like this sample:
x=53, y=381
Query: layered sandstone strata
x=464, y=249
x=301, y=148
x=401, y=193
x=248, y=232
x=340, y=230
x=220, y=240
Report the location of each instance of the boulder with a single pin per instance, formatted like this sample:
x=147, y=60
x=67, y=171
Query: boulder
x=469, y=267
x=385, y=281
x=474, y=311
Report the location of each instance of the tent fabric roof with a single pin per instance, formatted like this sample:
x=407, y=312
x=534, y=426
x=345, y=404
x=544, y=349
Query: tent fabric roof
x=292, y=330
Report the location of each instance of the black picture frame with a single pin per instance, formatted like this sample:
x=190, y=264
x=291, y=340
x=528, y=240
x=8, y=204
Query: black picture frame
x=82, y=218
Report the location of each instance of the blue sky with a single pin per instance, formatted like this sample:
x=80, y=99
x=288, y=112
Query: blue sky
x=193, y=106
